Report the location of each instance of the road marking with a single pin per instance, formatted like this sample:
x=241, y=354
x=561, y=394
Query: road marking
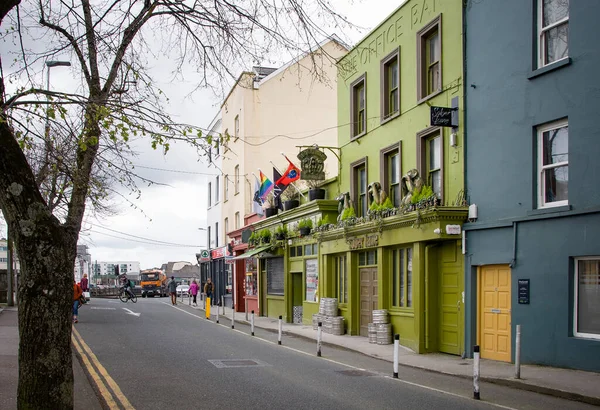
x=339, y=363
x=103, y=308
x=99, y=383
x=113, y=385
x=129, y=312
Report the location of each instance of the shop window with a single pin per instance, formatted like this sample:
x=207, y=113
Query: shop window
x=358, y=106
x=342, y=278
x=292, y=252
x=587, y=298
x=307, y=250
x=429, y=55
x=391, y=169
x=390, y=86
x=312, y=280
x=430, y=159
x=367, y=258
x=402, y=277
x=275, y=276
x=251, y=276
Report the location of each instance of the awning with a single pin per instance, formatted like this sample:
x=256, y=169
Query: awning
x=251, y=252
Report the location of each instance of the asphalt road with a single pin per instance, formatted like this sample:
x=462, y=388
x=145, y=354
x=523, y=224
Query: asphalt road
x=158, y=356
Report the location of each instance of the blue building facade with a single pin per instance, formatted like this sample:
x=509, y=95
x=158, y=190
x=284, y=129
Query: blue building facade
x=532, y=146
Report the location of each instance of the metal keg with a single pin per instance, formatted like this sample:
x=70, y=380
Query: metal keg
x=337, y=325
x=372, y=332
x=384, y=333
x=380, y=316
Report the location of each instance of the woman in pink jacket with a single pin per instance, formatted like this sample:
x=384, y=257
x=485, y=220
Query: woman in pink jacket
x=194, y=291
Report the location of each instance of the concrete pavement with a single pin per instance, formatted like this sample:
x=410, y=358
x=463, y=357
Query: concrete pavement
x=565, y=383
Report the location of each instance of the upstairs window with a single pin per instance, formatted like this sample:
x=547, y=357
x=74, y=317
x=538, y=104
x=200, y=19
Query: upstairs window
x=226, y=187
x=237, y=220
x=217, y=189
x=358, y=186
x=553, y=29
x=209, y=194
x=553, y=171
x=236, y=128
x=391, y=171
x=237, y=179
x=429, y=59
x=358, y=106
x=430, y=159
x=390, y=86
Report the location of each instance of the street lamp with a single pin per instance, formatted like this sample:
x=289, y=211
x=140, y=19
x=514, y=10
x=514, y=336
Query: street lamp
x=50, y=64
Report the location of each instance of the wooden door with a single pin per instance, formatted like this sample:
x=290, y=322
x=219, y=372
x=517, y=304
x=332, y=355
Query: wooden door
x=451, y=287
x=494, y=312
x=368, y=298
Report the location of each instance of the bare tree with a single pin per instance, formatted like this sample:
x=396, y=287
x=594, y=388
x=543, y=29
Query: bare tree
x=48, y=174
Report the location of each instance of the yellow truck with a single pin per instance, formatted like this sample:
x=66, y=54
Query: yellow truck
x=153, y=282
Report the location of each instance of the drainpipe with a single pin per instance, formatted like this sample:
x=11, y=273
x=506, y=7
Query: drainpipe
x=426, y=302
x=514, y=255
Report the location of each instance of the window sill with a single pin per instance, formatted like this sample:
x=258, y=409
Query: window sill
x=390, y=118
x=429, y=97
x=550, y=210
x=362, y=134
x=550, y=67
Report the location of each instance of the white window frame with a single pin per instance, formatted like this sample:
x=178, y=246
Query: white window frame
x=541, y=168
x=576, y=299
x=237, y=220
x=542, y=31
x=226, y=187
x=217, y=190
x=237, y=180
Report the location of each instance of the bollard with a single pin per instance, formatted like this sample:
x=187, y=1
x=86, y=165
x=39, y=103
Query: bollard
x=189, y=299
x=223, y=304
x=208, y=308
x=252, y=323
x=476, y=372
x=319, y=339
x=518, y=353
x=246, y=308
x=232, y=318
x=280, y=328
x=217, y=315
x=396, y=346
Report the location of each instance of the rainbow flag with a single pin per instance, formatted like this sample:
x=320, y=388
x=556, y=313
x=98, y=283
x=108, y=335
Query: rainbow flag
x=266, y=186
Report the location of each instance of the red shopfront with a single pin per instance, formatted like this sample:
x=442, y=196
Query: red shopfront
x=245, y=288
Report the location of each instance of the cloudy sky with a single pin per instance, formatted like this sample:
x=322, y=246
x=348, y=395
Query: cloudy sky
x=164, y=224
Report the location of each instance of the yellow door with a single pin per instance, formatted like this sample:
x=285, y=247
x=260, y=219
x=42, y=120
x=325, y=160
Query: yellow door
x=494, y=312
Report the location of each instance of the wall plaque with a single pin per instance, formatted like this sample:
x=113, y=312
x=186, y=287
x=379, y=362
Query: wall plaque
x=523, y=285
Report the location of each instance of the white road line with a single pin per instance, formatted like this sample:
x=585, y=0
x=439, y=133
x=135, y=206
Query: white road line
x=102, y=308
x=342, y=364
x=129, y=312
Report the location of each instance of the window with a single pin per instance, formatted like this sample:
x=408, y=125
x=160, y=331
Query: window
x=236, y=129
x=358, y=186
x=429, y=55
x=226, y=224
x=226, y=187
x=367, y=258
x=312, y=280
x=553, y=152
x=402, y=277
x=587, y=298
x=275, y=276
x=209, y=194
x=237, y=220
x=430, y=159
x=391, y=170
x=358, y=106
x=208, y=237
x=342, y=278
x=553, y=29
x=390, y=86
x=216, y=234
x=237, y=180
x=217, y=189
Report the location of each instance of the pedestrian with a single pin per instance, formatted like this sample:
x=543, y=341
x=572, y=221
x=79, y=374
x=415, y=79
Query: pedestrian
x=208, y=290
x=77, y=292
x=84, y=283
x=172, y=287
x=194, y=291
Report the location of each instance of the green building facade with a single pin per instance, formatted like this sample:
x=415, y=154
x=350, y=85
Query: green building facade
x=403, y=253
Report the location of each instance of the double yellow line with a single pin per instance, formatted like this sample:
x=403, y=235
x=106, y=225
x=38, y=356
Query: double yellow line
x=103, y=381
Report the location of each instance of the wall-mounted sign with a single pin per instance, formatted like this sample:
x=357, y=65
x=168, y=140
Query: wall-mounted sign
x=312, y=164
x=219, y=252
x=453, y=229
x=442, y=117
x=369, y=241
x=523, y=285
x=203, y=256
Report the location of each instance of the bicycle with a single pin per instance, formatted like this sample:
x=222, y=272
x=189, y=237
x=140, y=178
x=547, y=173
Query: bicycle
x=124, y=296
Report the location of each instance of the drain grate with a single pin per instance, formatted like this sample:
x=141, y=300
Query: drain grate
x=355, y=373
x=226, y=363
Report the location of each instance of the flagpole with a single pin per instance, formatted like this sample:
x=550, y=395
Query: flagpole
x=291, y=183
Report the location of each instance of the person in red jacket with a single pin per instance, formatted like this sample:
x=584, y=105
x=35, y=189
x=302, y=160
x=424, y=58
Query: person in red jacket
x=77, y=292
x=84, y=283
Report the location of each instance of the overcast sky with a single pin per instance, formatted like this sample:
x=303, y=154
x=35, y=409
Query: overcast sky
x=172, y=214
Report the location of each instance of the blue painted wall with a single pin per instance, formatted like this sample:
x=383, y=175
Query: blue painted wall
x=502, y=112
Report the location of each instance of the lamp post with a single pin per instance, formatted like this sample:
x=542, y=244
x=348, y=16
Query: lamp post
x=50, y=64
x=208, y=266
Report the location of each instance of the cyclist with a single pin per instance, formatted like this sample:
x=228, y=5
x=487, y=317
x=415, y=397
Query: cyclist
x=126, y=283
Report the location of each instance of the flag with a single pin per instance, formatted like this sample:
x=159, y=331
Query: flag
x=292, y=173
x=256, y=201
x=277, y=189
x=266, y=186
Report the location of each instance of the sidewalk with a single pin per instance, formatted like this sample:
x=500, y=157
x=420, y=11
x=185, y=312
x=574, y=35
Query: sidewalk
x=570, y=384
x=84, y=396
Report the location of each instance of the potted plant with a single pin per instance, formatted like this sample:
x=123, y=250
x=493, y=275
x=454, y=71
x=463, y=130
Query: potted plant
x=290, y=198
x=281, y=232
x=265, y=236
x=314, y=189
x=252, y=238
x=304, y=226
x=324, y=220
x=269, y=206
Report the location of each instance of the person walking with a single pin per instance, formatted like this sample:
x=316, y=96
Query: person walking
x=208, y=290
x=194, y=291
x=84, y=283
x=172, y=287
x=77, y=292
